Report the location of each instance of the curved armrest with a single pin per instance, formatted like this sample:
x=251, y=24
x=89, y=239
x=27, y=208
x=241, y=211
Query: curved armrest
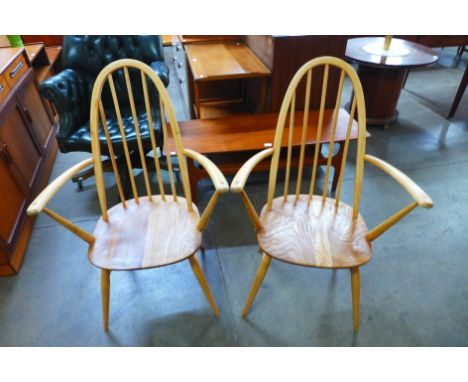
x=238, y=183
x=47, y=194
x=419, y=196
x=412, y=188
x=219, y=181
x=70, y=92
x=162, y=70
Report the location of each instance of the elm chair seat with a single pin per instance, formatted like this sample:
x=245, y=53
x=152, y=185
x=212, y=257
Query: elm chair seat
x=146, y=235
x=316, y=235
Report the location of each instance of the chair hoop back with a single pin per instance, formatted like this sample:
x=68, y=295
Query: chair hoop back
x=98, y=121
x=288, y=109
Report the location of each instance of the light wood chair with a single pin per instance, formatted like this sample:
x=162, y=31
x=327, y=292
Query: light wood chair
x=146, y=231
x=317, y=230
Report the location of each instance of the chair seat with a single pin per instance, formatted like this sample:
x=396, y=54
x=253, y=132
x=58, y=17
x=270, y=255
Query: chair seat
x=80, y=139
x=316, y=236
x=146, y=235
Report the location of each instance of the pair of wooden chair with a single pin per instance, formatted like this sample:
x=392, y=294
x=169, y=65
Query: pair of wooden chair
x=157, y=230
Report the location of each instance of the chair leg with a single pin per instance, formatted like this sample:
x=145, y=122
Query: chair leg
x=203, y=283
x=105, y=289
x=355, y=287
x=261, y=272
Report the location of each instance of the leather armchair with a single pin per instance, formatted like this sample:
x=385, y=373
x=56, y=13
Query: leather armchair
x=83, y=57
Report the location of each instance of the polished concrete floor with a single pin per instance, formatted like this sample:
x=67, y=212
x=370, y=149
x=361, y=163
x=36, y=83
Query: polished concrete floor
x=414, y=291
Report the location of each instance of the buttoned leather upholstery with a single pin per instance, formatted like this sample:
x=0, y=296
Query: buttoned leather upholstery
x=83, y=57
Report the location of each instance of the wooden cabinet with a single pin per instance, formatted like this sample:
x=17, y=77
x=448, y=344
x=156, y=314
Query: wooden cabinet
x=27, y=151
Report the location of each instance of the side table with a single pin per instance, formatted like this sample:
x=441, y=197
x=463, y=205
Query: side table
x=382, y=76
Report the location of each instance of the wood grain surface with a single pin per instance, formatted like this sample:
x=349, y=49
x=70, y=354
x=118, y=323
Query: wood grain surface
x=145, y=235
x=257, y=132
x=224, y=61
x=418, y=55
x=318, y=235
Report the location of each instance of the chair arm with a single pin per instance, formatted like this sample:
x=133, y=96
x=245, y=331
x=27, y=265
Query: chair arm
x=162, y=70
x=70, y=92
x=238, y=183
x=217, y=177
x=419, y=196
x=47, y=194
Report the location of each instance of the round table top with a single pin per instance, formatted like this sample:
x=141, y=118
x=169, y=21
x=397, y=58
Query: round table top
x=413, y=54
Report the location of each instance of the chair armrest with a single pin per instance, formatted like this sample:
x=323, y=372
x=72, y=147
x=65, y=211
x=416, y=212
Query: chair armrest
x=47, y=194
x=70, y=92
x=419, y=196
x=219, y=181
x=162, y=70
x=238, y=183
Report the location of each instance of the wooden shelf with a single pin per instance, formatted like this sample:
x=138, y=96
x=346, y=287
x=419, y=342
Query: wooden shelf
x=218, y=109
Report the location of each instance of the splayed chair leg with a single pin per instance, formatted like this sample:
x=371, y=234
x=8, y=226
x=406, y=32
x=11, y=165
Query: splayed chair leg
x=203, y=283
x=261, y=272
x=355, y=287
x=105, y=292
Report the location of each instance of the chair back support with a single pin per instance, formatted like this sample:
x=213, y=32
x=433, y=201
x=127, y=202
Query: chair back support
x=306, y=72
x=98, y=121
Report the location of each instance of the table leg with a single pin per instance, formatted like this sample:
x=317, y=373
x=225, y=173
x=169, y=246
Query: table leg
x=193, y=177
x=459, y=95
x=336, y=163
x=197, y=99
x=263, y=106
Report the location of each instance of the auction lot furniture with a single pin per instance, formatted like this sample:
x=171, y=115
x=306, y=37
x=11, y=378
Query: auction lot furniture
x=317, y=230
x=382, y=76
x=208, y=63
x=27, y=152
x=83, y=58
x=230, y=141
x=145, y=231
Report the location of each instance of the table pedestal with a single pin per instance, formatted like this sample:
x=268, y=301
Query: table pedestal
x=382, y=88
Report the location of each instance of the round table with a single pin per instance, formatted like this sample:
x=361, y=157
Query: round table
x=382, y=73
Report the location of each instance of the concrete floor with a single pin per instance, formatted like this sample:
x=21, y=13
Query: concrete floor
x=414, y=292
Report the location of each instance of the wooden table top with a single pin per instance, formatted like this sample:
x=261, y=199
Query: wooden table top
x=418, y=55
x=253, y=132
x=222, y=61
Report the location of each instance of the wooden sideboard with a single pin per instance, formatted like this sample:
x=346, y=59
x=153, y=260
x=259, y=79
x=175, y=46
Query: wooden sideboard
x=27, y=153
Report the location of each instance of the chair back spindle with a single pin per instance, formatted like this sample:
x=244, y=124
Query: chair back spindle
x=313, y=69
x=129, y=124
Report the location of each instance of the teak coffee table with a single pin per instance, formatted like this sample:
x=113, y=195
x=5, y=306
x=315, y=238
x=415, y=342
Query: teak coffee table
x=230, y=141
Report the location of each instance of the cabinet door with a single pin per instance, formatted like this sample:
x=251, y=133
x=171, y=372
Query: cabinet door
x=12, y=203
x=19, y=149
x=35, y=110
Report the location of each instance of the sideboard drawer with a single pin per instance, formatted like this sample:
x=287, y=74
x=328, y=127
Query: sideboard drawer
x=3, y=88
x=15, y=70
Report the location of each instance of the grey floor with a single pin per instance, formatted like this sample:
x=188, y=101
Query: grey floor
x=414, y=291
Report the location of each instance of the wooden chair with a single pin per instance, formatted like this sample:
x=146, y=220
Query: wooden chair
x=146, y=231
x=316, y=230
